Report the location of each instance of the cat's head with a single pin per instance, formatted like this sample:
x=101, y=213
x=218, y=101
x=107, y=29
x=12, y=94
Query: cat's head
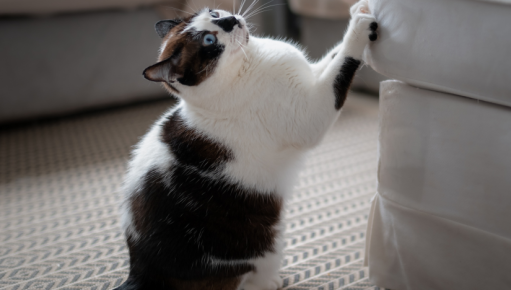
x=195, y=46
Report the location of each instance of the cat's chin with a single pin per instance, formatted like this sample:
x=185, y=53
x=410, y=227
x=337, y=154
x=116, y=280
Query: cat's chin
x=240, y=40
x=236, y=50
x=240, y=47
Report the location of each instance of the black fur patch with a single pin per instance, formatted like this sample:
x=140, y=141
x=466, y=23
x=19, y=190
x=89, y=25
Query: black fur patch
x=192, y=148
x=343, y=80
x=184, y=57
x=227, y=23
x=184, y=216
x=373, y=27
x=164, y=26
x=201, y=64
x=194, y=62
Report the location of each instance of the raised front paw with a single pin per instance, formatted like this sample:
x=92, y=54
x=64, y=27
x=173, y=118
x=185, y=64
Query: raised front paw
x=365, y=25
x=364, y=20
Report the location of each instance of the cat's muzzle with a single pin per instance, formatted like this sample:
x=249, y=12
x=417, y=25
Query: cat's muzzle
x=227, y=23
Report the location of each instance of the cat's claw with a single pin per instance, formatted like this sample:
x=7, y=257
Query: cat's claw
x=361, y=6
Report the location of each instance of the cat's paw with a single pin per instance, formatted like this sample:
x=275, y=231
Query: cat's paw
x=373, y=27
x=365, y=24
x=270, y=284
x=364, y=20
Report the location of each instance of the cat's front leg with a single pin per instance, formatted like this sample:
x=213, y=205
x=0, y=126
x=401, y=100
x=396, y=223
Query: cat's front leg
x=319, y=67
x=361, y=30
x=358, y=10
x=328, y=94
x=340, y=72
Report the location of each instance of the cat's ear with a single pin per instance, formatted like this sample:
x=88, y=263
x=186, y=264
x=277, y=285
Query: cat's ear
x=164, y=26
x=163, y=71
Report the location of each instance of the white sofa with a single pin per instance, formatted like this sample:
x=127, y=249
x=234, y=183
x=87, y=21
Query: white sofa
x=67, y=63
x=64, y=56
x=441, y=218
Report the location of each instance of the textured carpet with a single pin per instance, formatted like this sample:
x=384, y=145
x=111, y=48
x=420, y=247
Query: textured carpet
x=59, y=181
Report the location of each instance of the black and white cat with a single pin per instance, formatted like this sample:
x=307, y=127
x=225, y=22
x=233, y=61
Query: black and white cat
x=206, y=186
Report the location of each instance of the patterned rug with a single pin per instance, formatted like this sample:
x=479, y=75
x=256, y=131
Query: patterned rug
x=59, y=181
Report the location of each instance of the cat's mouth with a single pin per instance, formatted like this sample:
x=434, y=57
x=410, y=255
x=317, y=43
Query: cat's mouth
x=240, y=44
x=240, y=37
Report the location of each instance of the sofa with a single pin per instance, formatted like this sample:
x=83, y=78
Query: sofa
x=61, y=57
x=441, y=216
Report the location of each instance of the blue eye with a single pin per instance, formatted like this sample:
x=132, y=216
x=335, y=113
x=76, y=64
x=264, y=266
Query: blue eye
x=209, y=39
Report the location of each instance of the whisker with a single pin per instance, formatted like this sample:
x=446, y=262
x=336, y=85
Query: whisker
x=252, y=28
x=249, y=7
x=177, y=9
x=217, y=6
x=241, y=6
x=266, y=5
x=241, y=46
x=205, y=69
x=255, y=12
x=261, y=10
x=269, y=4
x=194, y=8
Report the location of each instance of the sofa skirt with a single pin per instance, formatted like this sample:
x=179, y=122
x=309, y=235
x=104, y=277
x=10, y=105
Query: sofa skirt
x=441, y=217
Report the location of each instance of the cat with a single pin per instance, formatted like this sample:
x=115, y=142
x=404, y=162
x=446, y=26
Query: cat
x=204, y=194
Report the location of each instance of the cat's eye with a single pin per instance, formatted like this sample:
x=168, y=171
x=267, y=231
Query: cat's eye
x=214, y=14
x=209, y=39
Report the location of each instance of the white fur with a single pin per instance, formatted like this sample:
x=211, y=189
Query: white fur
x=149, y=153
x=268, y=104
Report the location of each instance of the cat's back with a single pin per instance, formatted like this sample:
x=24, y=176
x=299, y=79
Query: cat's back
x=274, y=56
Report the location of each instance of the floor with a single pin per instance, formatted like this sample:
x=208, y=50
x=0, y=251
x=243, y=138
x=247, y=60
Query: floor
x=59, y=182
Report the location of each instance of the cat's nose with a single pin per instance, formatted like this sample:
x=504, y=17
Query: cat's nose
x=227, y=23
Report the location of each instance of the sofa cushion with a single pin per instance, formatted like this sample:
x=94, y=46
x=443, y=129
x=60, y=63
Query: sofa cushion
x=455, y=46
